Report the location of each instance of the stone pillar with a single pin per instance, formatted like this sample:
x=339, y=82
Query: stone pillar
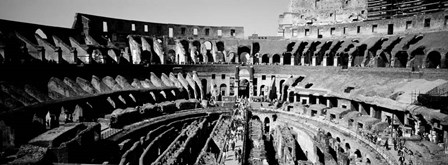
x=361, y=109
x=317, y=100
x=295, y=98
x=237, y=80
x=271, y=60
x=302, y=60
x=313, y=62
x=350, y=61
x=328, y=102
x=292, y=60
x=324, y=61
x=58, y=51
x=281, y=60
x=335, y=61
x=372, y=112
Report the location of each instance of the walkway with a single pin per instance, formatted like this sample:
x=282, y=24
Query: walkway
x=230, y=157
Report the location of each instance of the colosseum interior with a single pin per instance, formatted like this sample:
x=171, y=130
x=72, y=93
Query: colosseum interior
x=345, y=82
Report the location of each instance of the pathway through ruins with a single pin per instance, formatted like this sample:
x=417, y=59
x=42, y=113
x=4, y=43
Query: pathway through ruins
x=230, y=158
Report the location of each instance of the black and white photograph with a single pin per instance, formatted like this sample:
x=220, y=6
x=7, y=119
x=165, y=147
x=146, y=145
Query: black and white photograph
x=224, y=82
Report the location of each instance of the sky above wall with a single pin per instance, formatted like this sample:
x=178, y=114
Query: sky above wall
x=256, y=16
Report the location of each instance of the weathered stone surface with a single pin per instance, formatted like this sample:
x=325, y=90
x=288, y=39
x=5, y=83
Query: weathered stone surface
x=124, y=84
x=75, y=87
x=56, y=85
x=99, y=85
x=111, y=83
x=86, y=85
x=39, y=95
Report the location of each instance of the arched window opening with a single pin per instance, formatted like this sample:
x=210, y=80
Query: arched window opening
x=220, y=46
x=287, y=59
x=265, y=59
x=276, y=59
x=433, y=60
x=402, y=57
x=223, y=89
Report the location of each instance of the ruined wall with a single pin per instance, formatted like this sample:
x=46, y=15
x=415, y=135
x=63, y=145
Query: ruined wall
x=406, y=25
x=323, y=12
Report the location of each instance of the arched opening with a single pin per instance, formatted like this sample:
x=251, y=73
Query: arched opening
x=265, y=59
x=402, y=57
x=276, y=59
x=329, y=135
x=266, y=125
x=198, y=55
x=287, y=59
x=220, y=46
x=205, y=88
x=368, y=162
x=433, y=59
x=223, y=90
x=186, y=44
x=231, y=57
x=262, y=90
x=291, y=96
x=338, y=139
x=347, y=147
x=171, y=57
x=41, y=34
x=255, y=118
x=243, y=89
x=255, y=48
x=208, y=47
x=243, y=53
x=281, y=87
x=358, y=154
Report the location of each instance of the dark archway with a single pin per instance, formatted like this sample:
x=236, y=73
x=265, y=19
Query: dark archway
x=186, y=46
x=241, y=53
x=276, y=59
x=208, y=47
x=358, y=154
x=281, y=86
x=243, y=89
x=223, y=89
x=433, y=60
x=347, y=147
x=220, y=46
x=402, y=59
x=255, y=118
x=204, y=87
x=265, y=59
x=266, y=125
x=287, y=59
x=320, y=155
x=171, y=57
x=291, y=96
x=199, y=56
x=262, y=90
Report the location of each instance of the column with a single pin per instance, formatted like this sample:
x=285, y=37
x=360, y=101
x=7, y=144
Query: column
x=270, y=60
x=317, y=100
x=328, y=102
x=335, y=61
x=302, y=60
x=361, y=109
x=350, y=61
x=281, y=59
x=295, y=98
x=292, y=60
x=313, y=62
x=324, y=61
x=372, y=112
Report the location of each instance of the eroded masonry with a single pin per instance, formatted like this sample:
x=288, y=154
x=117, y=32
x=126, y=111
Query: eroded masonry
x=344, y=82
